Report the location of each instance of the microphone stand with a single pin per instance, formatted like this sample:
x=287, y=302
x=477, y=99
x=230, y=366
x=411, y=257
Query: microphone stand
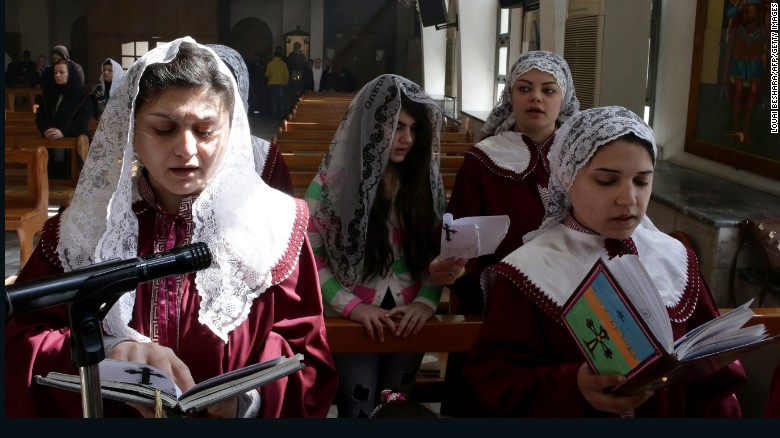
x=87, y=349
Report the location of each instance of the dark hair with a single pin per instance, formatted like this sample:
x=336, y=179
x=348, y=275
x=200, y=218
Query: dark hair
x=193, y=67
x=107, y=62
x=413, y=206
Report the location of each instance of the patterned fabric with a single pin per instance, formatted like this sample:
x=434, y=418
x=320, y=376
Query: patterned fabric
x=100, y=224
x=342, y=193
x=235, y=61
x=575, y=143
x=501, y=118
x=398, y=283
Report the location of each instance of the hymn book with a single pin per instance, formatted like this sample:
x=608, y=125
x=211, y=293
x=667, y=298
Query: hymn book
x=618, y=320
x=138, y=383
x=473, y=236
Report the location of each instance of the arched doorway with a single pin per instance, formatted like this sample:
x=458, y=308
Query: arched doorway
x=252, y=38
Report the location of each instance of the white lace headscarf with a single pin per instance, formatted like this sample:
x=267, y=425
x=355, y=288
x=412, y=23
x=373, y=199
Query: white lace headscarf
x=235, y=61
x=574, y=145
x=502, y=117
x=118, y=74
x=231, y=215
x=353, y=167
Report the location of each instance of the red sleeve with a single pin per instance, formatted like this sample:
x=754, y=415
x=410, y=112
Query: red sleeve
x=299, y=327
x=39, y=342
x=773, y=405
x=275, y=172
x=523, y=364
x=467, y=199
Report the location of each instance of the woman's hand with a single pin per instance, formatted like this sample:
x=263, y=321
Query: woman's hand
x=411, y=318
x=53, y=134
x=445, y=272
x=592, y=387
x=154, y=354
x=374, y=319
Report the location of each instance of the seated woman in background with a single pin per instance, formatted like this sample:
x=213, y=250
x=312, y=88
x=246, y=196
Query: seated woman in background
x=111, y=73
x=171, y=164
x=269, y=162
x=64, y=111
x=376, y=206
x=524, y=362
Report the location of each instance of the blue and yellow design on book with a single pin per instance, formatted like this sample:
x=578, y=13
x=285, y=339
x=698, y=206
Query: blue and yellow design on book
x=608, y=330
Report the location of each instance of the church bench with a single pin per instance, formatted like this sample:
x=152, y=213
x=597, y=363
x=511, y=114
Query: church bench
x=305, y=135
x=60, y=190
x=21, y=99
x=442, y=333
x=22, y=131
x=290, y=125
x=26, y=195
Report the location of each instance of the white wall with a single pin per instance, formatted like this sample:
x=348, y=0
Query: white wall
x=552, y=19
x=477, y=43
x=434, y=59
x=673, y=85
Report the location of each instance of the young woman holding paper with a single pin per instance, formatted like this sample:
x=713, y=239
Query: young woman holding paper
x=524, y=362
x=376, y=207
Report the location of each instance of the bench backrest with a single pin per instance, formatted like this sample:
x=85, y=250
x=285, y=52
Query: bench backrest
x=26, y=181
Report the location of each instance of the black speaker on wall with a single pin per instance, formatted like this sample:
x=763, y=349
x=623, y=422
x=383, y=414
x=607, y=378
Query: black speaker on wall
x=506, y=4
x=432, y=12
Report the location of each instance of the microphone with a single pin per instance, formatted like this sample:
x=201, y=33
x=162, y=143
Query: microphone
x=113, y=276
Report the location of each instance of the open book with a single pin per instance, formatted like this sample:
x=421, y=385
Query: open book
x=470, y=237
x=138, y=383
x=621, y=325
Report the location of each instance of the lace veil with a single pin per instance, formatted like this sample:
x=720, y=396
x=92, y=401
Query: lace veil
x=119, y=73
x=574, y=145
x=501, y=118
x=231, y=215
x=235, y=61
x=353, y=167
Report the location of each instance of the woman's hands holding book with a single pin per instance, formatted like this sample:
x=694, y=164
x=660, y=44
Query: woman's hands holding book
x=152, y=353
x=594, y=388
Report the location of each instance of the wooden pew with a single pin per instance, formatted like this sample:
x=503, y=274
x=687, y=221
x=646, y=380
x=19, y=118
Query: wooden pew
x=60, y=191
x=22, y=131
x=281, y=134
x=26, y=204
x=25, y=94
x=442, y=333
x=290, y=125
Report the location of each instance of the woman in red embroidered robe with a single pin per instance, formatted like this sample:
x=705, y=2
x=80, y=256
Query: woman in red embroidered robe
x=175, y=168
x=505, y=174
x=524, y=362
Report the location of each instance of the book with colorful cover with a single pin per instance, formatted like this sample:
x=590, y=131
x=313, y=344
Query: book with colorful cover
x=615, y=337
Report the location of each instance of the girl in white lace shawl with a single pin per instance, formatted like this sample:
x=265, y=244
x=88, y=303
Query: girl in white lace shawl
x=502, y=117
x=601, y=163
x=376, y=206
x=111, y=74
x=171, y=164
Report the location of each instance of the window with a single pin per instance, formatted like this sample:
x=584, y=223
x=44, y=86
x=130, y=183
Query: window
x=132, y=51
x=502, y=51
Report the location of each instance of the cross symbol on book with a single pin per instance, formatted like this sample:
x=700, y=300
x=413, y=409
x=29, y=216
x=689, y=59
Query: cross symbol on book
x=600, y=336
x=146, y=374
x=447, y=231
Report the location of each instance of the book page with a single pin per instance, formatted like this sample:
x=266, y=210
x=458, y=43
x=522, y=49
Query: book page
x=473, y=236
x=639, y=288
x=136, y=373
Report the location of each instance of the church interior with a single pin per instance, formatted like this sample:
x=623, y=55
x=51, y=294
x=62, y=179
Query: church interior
x=666, y=60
